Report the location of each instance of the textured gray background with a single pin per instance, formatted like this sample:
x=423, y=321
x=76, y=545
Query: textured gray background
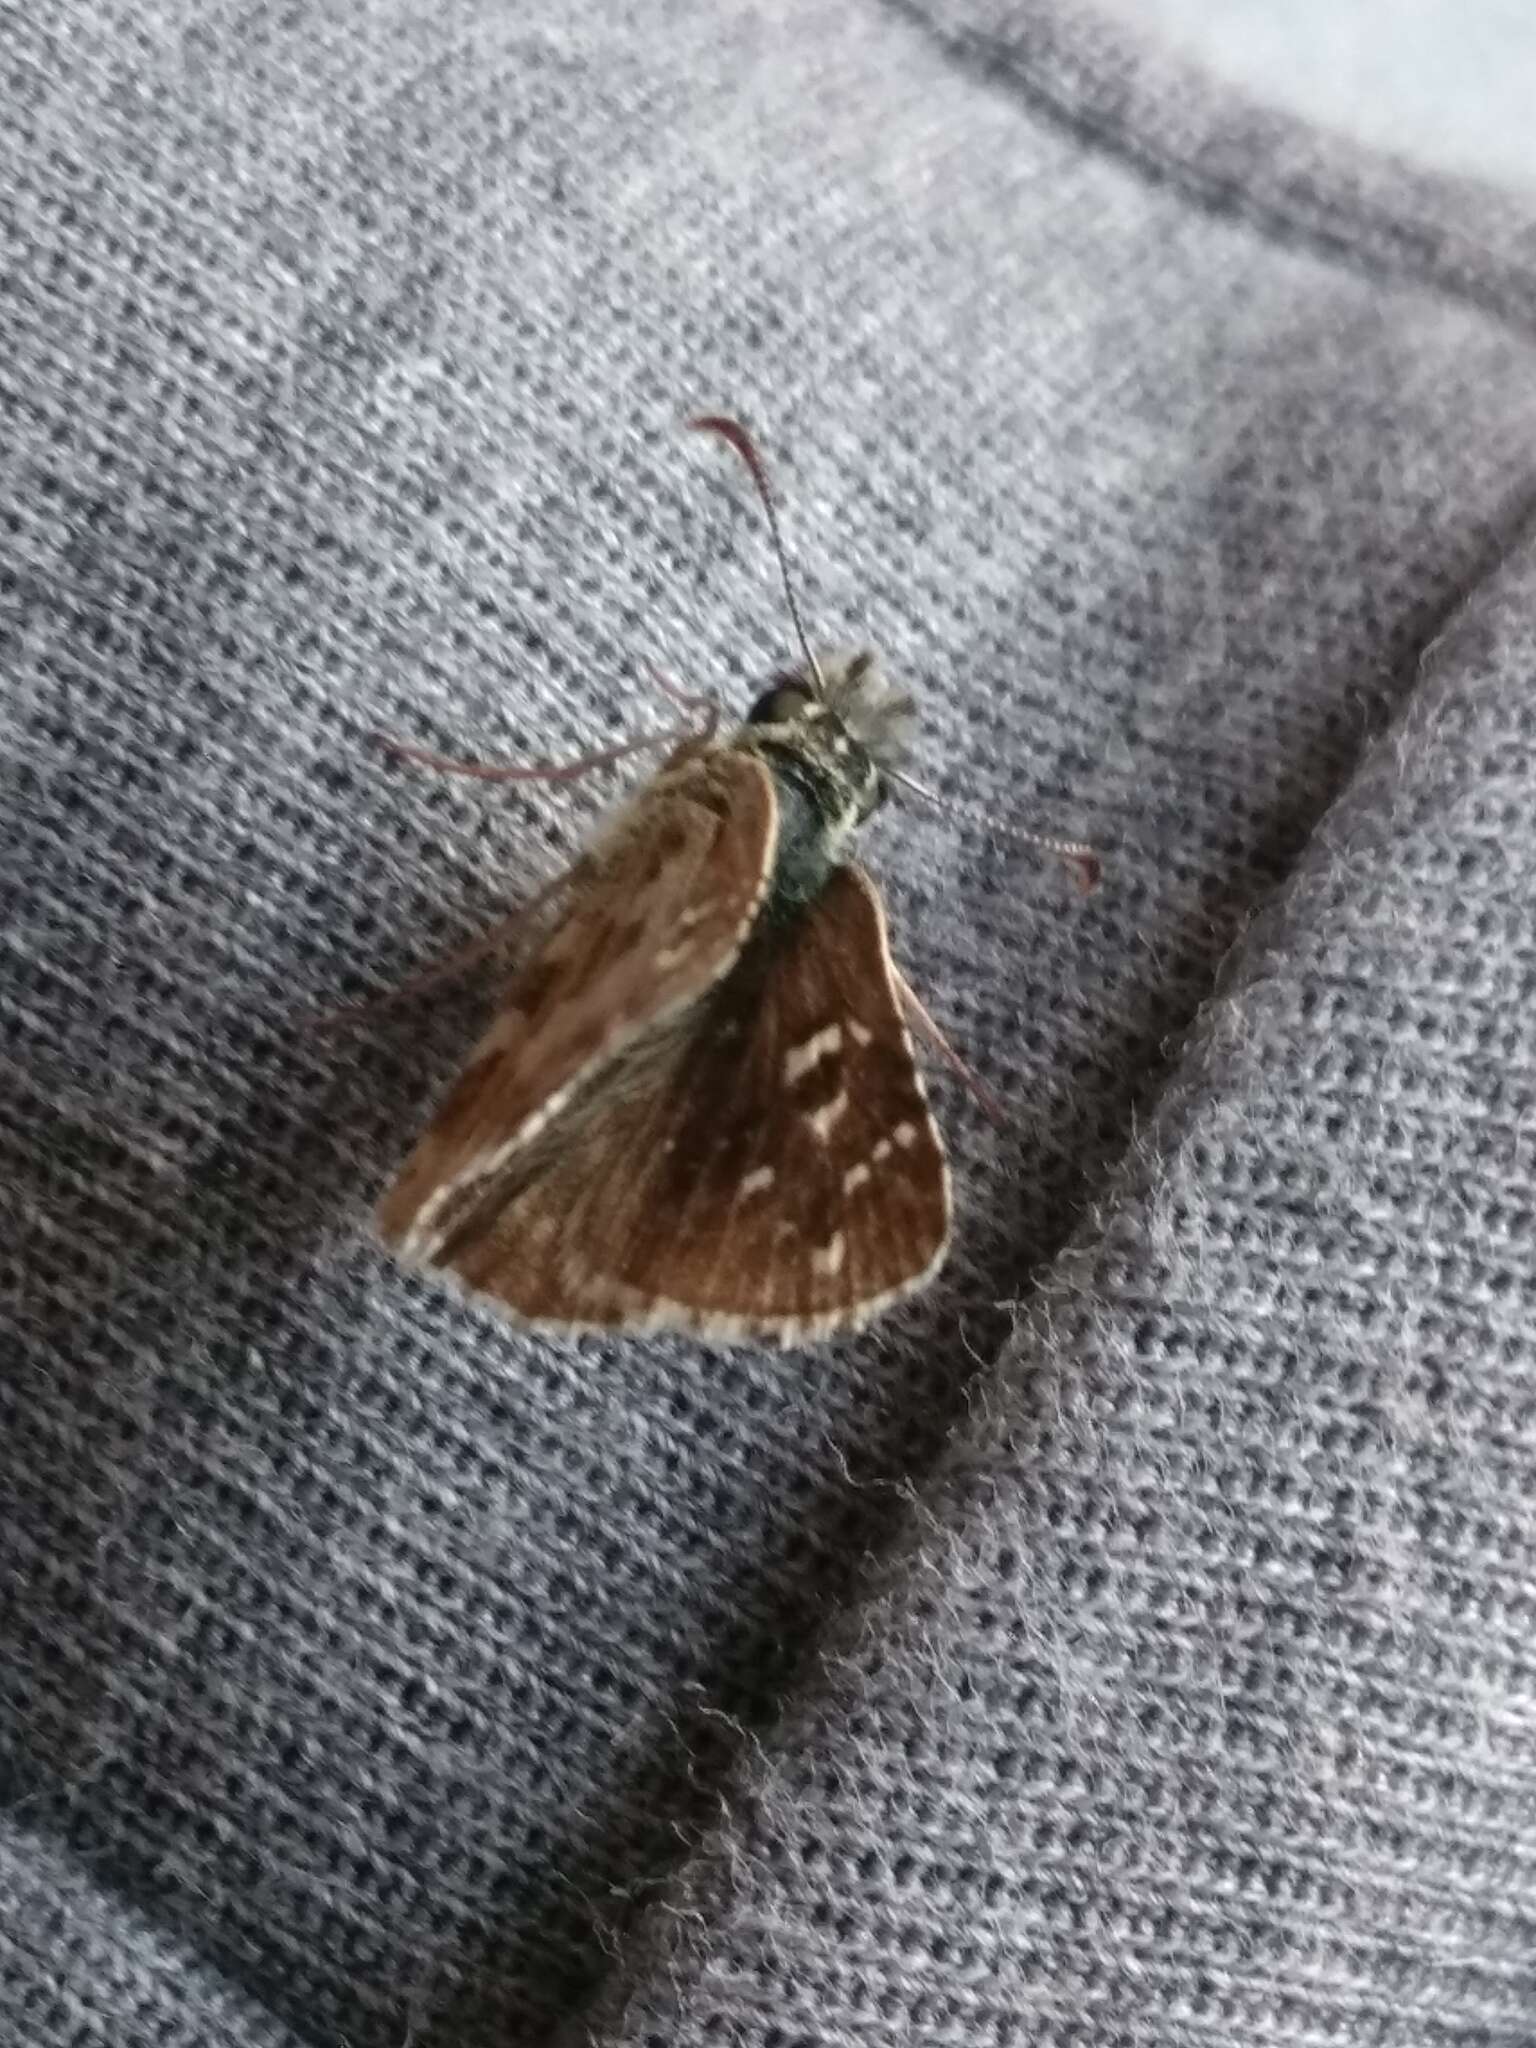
x=1131, y=1642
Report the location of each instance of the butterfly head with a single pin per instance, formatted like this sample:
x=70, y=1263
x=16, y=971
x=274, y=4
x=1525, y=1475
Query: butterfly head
x=846, y=721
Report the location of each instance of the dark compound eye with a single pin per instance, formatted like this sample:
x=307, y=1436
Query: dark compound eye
x=781, y=705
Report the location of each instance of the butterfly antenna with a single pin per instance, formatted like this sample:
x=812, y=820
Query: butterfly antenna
x=733, y=432
x=1084, y=862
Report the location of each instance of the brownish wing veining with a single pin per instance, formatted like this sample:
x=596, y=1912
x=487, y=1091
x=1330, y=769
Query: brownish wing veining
x=662, y=905
x=765, y=1168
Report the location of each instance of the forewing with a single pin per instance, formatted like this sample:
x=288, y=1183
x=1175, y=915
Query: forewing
x=767, y=1168
x=660, y=910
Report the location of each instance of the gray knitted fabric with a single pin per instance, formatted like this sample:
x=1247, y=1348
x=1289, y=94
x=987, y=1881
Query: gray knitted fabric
x=1134, y=1641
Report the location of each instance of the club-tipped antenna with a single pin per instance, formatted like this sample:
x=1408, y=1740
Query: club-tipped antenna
x=1082, y=859
x=733, y=432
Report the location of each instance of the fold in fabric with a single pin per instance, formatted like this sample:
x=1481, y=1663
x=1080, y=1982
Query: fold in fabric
x=1197, y=1701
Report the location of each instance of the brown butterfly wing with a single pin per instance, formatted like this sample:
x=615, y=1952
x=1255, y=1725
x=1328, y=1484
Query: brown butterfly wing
x=661, y=907
x=765, y=1167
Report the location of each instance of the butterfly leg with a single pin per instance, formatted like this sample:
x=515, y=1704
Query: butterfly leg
x=481, y=947
x=534, y=771
x=928, y=1030
x=702, y=702
x=1087, y=868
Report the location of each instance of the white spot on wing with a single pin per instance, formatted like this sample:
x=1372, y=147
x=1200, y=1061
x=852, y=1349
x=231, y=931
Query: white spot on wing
x=759, y=1179
x=827, y=1258
x=905, y=1136
x=882, y=1151
x=822, y=1121
x=855, y=1177
x=819, y=1046
x=862, y=1035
